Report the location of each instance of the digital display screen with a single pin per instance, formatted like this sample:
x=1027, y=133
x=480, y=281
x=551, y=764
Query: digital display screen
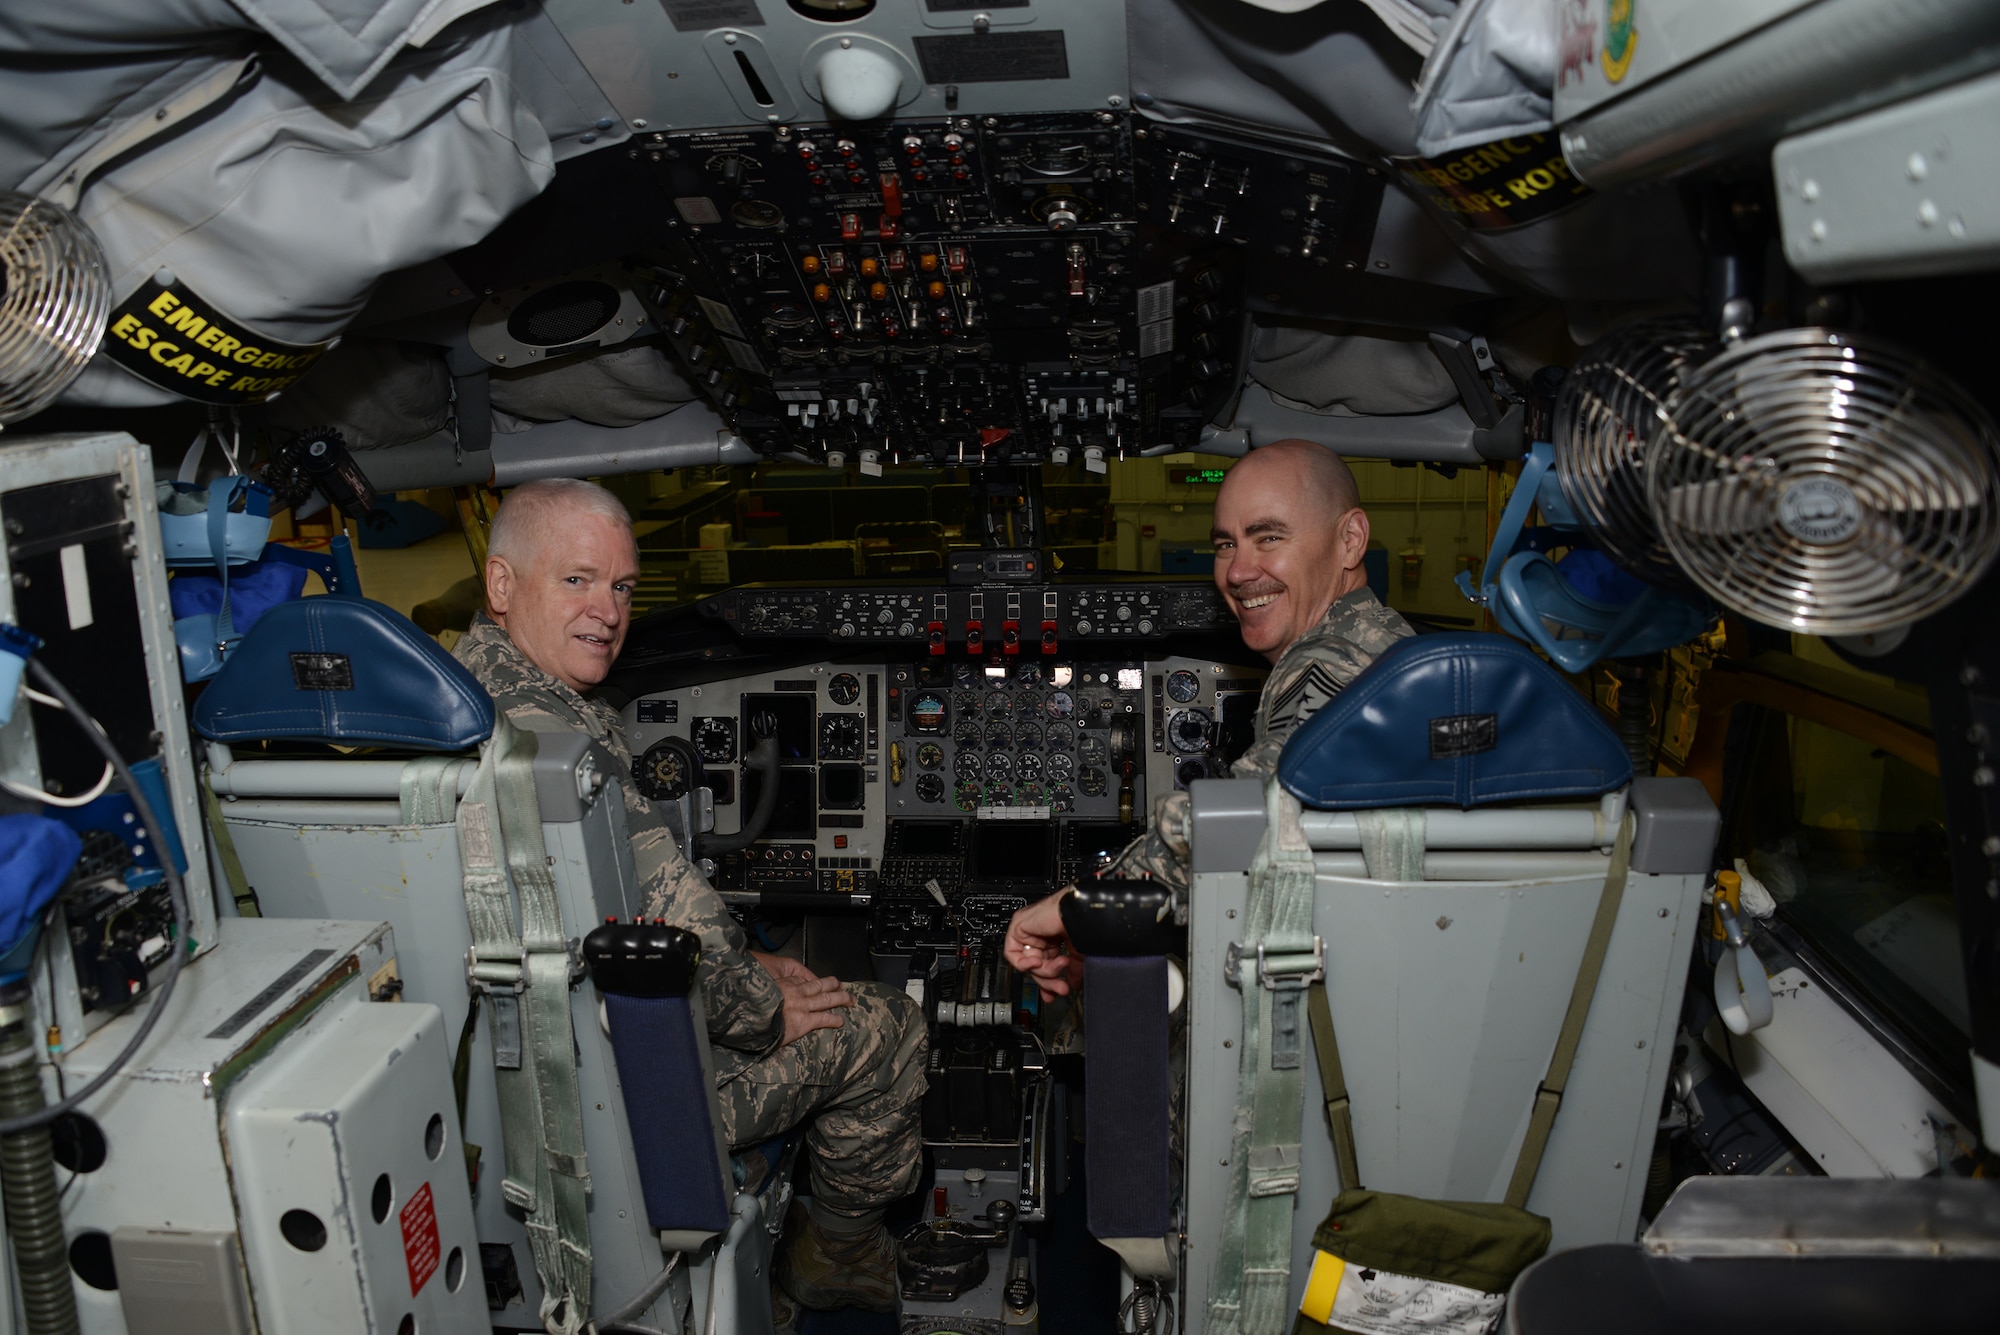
x=1131, y=679
x=794, y=715
x=1094, y=843
x=927, y=839
x=794, y=817
x=1013, y=850
x=1199, y=477
x=840, y=787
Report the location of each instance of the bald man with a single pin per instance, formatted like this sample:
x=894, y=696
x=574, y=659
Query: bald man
x=1290, y=536
x=846, y=1060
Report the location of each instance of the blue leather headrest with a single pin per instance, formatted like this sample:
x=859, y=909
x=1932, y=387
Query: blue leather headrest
x=344, y=670
x=1461, y=720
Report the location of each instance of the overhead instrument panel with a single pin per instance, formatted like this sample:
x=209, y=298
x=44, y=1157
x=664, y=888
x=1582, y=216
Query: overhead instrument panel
x=687, y=64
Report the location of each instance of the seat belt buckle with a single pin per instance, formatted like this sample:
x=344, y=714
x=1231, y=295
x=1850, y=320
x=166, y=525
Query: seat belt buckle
x=1289, y=972
x=1286, y=977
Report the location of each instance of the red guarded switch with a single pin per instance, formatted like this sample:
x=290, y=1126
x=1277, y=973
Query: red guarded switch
x=975, y=638
x=850, y=227
x=1010, y=637
x=892, y=195
x=934, y=633
x=1048, y=637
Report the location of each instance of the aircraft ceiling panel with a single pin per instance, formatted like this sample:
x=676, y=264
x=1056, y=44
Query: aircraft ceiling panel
x=697, y=64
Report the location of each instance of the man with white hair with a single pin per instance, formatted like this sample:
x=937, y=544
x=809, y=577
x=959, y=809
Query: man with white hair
x=1290, y=536
x=791, y=1048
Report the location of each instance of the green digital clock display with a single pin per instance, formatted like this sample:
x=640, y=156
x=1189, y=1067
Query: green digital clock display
x=1199, y=476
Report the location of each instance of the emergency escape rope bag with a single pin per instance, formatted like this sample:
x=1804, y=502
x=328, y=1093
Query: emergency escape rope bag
x=1388, y=1264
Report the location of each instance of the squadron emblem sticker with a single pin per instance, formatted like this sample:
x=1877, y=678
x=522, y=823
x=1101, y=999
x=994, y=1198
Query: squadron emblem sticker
x=168, y=336
x=1621, y=37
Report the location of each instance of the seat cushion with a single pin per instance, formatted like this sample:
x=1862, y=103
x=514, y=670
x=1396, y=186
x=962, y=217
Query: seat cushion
x=1465, y=720
x=344, y=670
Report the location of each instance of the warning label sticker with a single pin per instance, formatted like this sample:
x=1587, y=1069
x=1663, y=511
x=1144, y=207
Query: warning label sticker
x=420, y=1238
x=168, y=336
x=1502, y=184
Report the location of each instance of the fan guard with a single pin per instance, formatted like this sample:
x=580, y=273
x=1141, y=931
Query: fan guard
x=54, y=299
x=1607, y=411
x=1826, y=483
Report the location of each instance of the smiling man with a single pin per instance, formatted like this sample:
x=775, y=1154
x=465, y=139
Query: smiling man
x=846, y=1060
x=1290, y=536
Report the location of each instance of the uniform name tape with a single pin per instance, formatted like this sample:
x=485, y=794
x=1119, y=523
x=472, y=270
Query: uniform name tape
x=1502, y=184
x=169, y=337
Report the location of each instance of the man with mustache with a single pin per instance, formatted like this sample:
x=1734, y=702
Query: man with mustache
x=1290, y=535
x=845, y=1060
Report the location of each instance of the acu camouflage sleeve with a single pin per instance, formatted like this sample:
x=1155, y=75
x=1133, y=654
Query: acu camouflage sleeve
x=1161, y=853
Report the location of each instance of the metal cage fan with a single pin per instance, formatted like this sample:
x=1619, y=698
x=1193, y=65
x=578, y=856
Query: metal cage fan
x=1606, y=413
x=55, y=294
x=1826, y=483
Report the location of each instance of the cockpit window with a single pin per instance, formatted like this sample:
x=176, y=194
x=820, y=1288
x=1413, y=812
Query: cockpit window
x=705, y=529
x=1851, y=842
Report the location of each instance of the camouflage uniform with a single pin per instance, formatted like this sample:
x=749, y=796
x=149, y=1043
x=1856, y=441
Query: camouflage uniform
x=1312, y=670
x=861, y=1083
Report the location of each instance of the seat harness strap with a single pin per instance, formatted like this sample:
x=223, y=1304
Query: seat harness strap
x=1277, y=961
x=525, y=975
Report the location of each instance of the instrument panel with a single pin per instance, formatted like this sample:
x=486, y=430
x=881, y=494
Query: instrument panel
x=958, y=772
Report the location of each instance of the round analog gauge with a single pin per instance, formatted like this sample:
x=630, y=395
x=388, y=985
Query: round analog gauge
x=927, y=712
x=845, y=688
x=1062, y=736
x=966, y=734
x=999, y=737
x=1183, y=687
x=998, y=793
x=715, y=740
x=1062, y=764
x=930, y=756
x=999, y=765
x=1062, y=797
x=965, y=702
x=1031, y=795
x=1029, y=674
x=998, y=703
x=1028, y=736
x=965, y=794
x=1092, y=751
x=962, y=673
x=666, y=772
x=756, y=213
x=966, y=764
x=840, y=737
x=930, y=788
x=1029, y=765
x=1189, y=731
x=1060, y=704
x=1091, y=782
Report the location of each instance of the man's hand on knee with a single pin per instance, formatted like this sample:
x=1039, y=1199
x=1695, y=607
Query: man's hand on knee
x=1038, y=946
x=811, y=1002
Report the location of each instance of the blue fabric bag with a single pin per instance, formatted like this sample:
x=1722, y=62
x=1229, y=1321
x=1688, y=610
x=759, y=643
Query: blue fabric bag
x=253, y=590
x=36, y=857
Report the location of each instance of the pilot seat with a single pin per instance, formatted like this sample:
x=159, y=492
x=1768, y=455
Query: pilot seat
x=358, y=771
x=1460, y=805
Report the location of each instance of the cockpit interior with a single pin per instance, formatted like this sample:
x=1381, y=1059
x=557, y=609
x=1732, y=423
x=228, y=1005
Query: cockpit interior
x=1614, y=946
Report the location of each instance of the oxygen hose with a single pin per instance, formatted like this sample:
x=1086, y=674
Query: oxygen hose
x=28, y=1175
